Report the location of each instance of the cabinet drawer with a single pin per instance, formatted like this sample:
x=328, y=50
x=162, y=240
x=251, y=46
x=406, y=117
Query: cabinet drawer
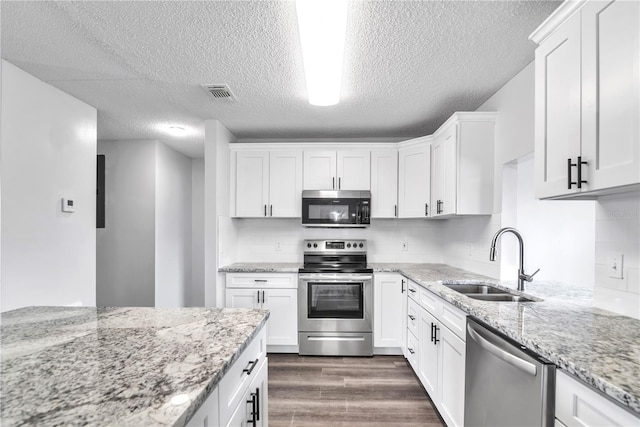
x=412, y=351
x=262, y=280
x=429, y=301
x=579, y=405
x=454, y=319
x=413, y=317
x=413, y=290
x=236, y=381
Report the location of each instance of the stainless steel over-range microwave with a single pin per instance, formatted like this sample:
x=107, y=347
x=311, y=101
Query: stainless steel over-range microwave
x=341, y=208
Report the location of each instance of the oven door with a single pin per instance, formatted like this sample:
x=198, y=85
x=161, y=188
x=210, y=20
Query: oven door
x=335, y=303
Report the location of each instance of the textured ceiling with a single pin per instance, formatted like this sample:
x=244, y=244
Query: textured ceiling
x=408, y=64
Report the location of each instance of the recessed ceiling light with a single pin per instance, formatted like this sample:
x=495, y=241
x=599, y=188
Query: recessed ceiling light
x=177, y=131
x=323, y=26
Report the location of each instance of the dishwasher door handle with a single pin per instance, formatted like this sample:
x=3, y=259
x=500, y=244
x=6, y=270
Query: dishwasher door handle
x=511, y=359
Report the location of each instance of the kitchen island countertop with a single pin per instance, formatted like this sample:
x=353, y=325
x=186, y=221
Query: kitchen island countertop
x=117, y=366
x=599, y=347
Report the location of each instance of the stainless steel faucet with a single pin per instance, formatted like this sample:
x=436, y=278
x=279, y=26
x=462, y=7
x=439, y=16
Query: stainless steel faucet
x=522, y=277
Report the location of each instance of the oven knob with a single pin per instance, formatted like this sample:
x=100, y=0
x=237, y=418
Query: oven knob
x=361, y=245
x=348, y=245
x=315, y=245
x=308, y=245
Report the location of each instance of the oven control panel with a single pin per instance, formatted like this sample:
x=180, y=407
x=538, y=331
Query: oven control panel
x=345, y=246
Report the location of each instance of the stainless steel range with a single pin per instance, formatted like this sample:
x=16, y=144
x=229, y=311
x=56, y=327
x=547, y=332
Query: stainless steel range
x=335, y=311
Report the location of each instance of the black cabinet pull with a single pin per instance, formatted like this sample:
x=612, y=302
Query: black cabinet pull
x=412, y=290
x=339, y=182
x=411, y=350
x=270, y=210
x=260, y=280
x=258, y=297
x=395, y=210
x=265, y=210
x=250, y=367
x=263, y=297
x=412, y=317
x=403, y=286
x=435, y=334
x=426, y=209
x=432, y=326
x=257, y=411
x=333, y=183
x=253, y=400
x=579, y=165
x=439, y=204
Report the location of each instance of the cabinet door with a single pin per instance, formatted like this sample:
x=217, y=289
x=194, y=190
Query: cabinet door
x=242, y=298
x=354, y=170
x=285, y=184
x=611, y=93
x=387, y=312
x=259, y=391
x=384, y=184
x=414, y=181
x=451, y=360
x=207, y=414
x=444, y=166
x=557, y=109
x=427, y=354
x=438, y=166
x=240, y=415
x=282, y=328
x=252, y=183
x=319, y=170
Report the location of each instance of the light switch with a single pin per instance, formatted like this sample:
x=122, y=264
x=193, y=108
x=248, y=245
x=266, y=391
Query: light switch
x=68, y=205
x=616, y=262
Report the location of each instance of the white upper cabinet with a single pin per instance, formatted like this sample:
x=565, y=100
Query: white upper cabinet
x=462, y=169
x=414, y=179
x=266, y=184
x=337, y=170
x=588, y=100
x=384, y=184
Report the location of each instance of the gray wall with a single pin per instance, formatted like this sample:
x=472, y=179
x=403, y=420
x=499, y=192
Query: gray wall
x=126, y=246
x=195, y=294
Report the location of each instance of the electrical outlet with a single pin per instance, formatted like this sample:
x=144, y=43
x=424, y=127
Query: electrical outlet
x=278, y=246
x=615, y=265
x=405, y=246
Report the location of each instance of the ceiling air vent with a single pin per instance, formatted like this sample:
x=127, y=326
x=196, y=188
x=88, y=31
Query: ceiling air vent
x=219, y=92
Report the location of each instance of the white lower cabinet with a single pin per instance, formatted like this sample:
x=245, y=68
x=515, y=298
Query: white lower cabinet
x=389, y=292
x=438, y=327
x=277, y=293
x=579, y=405
x=241, y=397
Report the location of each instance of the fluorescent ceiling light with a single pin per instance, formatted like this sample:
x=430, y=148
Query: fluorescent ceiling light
x=322, y=25
x=177, y=131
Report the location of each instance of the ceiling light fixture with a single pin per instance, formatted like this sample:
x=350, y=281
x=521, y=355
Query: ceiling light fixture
x=177, y=131
x=323, y=26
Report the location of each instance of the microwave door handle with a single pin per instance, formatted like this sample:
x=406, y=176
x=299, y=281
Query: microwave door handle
x=358, y=214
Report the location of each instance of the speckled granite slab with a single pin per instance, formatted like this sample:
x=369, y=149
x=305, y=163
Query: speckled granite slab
x=262, y=267
x=599, y=347
x=116, y=366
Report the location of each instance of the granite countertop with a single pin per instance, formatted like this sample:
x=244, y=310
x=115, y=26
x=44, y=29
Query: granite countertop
x=262, y=267
x=599, y=347
x=116, y=366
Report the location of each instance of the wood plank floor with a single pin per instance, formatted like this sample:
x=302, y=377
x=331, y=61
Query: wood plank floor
x=346, y=391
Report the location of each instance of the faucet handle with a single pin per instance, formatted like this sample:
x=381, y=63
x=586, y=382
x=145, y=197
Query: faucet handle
x=529, y=278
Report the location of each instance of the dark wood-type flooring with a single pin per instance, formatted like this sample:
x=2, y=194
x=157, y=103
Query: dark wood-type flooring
x=346, y=391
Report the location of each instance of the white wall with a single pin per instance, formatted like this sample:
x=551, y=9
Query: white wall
x=618, y=232
x=48, y=152
x=195, y=294
x=173, y=228
x=126, y=246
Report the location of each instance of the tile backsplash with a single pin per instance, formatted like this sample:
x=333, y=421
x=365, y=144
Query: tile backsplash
x=618, y=232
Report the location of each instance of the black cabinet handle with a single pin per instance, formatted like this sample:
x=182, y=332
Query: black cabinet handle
x=333, y=183
x=257, y=411
x=265, y=210
x=250, y=367
x=270, y=210
x=412, y=317
x=258, y=297
x=579, y=165
x=260, y=280
x=426, y=209
x=432, y=326
x=339, y=182
x=395, y=210
x=412, y=290
x=439, y=204
x=403, y=286
x=411, y=350
x=435, y=334
x=263, y=297
x=253, y=400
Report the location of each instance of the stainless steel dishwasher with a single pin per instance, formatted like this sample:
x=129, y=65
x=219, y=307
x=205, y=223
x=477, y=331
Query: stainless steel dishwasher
x=505, y=383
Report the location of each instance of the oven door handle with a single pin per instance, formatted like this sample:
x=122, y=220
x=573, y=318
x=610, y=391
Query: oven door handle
x=334, y=277
x=334, y=338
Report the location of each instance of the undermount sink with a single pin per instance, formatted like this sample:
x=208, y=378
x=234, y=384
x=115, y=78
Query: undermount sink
x=487, y=292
